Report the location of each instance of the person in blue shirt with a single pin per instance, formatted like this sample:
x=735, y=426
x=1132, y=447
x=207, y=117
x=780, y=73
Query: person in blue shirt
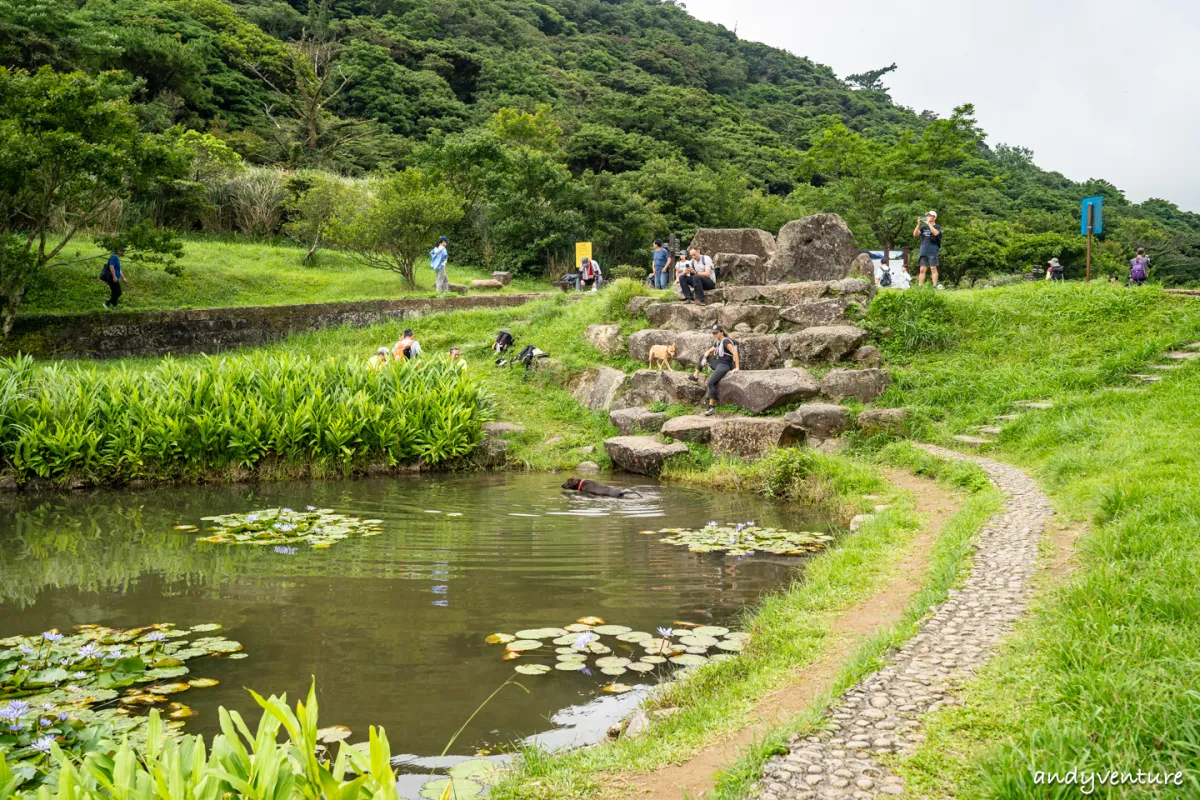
x=111, y=274
x=437, y=260
x=662, y=265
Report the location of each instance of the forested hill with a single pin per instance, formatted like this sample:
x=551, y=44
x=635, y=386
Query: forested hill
x=650, y=121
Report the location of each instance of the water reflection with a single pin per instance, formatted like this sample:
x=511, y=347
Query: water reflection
x=391, y=626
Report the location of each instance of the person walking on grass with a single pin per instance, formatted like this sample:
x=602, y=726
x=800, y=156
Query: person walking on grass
x=112, y=275
x=697, y=276
x=723, y=358
x=662, y=264
x=437, y=260
x=931, y=243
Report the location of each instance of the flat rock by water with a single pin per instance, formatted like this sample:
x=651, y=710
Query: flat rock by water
x=820, y=420
x=690, y=428
x=637, y=418
x=752, y=437
x=642, y=455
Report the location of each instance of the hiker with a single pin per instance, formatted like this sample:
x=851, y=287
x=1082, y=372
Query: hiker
x=437, y=260
x=1054, y=270
x=457, y=360
x=589, y=274
x=112, y=275
x=1139, y=268
x=662, y=264
x=723, y=358
x=504, y=340
x=408, y=347
x=931, y=242
x=380, y=358
x=697, y=276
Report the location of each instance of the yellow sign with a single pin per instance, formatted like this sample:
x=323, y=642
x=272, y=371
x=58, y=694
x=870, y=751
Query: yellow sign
x=582, y=250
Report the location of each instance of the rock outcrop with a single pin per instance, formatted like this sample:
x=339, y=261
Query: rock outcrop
x=865, y=385
x=637, y=418
x=822, y=344
x=750, y=241
x=742, y=269
x=820, y=420
x=597, y=389
x=681, y=316
x=637, y=305
x=828, y=311
x=605, y=338
x=883, y=420
x=505, y=278
x=816, y=248
x=502, y=428
x=642, y=455
x=761, y=390
x=690, y=428
x=641, y=342
x=751, y=437
x=730, y=316
x=662, y=386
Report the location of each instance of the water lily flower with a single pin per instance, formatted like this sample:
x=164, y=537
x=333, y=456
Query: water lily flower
x=13, y=711
x=584, y=639
x=26, y=650
x=52, y=636
x=64, y=661
x=285, y=551
x=586, y=671
x=16, y=727
x=311, y=508
x=79, y=675
x=712, y=523
x=666, y=633
x=252, y=518
x=46, y=706
x=44, y=723
x=43, y=744
x=89, y=650
x=114, y=652
x=63, y=716
x=287, y=511
x=157, y=636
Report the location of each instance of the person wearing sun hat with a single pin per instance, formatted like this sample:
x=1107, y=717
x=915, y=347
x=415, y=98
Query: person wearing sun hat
x=931, y=243
x=1054, y=270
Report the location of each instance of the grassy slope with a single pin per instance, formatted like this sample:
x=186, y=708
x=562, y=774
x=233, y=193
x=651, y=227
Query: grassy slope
x=1102, y=676
x=221, y=272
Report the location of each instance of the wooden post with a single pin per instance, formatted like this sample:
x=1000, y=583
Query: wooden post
x=1091, y=216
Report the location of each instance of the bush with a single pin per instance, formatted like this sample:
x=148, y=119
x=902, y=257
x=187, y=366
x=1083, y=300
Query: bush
x=629, y=271
x=910, y=321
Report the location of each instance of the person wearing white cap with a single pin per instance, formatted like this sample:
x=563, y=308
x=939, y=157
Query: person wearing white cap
x=931, y=242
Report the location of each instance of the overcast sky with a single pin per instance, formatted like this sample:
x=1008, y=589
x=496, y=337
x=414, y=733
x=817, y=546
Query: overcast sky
x=1096, y=88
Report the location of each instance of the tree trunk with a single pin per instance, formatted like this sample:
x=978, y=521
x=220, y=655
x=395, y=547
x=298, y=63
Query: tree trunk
x=11, y=306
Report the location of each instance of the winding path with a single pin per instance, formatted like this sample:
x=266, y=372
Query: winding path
x=881, y=713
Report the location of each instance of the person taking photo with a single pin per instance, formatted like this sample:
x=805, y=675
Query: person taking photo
x=931, y=243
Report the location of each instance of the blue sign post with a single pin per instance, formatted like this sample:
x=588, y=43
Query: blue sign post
x=1091, y=220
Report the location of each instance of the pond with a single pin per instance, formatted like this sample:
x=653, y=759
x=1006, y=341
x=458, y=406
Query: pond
x=392, y=626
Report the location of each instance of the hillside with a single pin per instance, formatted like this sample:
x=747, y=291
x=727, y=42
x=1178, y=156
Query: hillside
x=651, y=122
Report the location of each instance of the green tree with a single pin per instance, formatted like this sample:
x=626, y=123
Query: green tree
x=70, y=153
x=390, y=222
x=882, y=188
x=318, y=199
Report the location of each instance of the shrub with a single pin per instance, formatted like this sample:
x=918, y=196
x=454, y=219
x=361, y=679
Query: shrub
x=630, y=271
x=910, y=321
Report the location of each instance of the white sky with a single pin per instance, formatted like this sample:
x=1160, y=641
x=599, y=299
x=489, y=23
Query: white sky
x=1096, y=88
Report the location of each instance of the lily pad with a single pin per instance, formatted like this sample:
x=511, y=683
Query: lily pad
x=611, y=630
x=570, y=666
x=744, y=538
x=565, y=650
x=634, y=636
x=182, y=712
x=500, y=638
x=612, y=661
x=697, y=651
x=710, y=630
x=641, y=666
x=334, y=733
x=695, y=640
x=206, y=627
x=223, y=646
x=320, y=528
x=577, y=627
x=168, y=688
x=688, y=660
x=614, y=671
x=463, y=789
x=580, y=657
x=733, y=645
x=567, y=640
x=653, y=660
x=590, y=621
x=532, y=669
x=738, y=635
x=203, y=683
x=479, y=770
x=236, y=656
x=541, y=633
x=523, y=644
x=598, y=649
x=164, y=673
x=509, y=656
x=617, y=688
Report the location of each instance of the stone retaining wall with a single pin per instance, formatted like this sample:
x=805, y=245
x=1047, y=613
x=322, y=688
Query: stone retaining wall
x=117, y=334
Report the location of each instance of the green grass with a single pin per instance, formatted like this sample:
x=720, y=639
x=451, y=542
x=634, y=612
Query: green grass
x=224, y=271
x=1102, y=675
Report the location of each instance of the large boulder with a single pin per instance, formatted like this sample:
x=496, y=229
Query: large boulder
x=863, y=266
x=504, y=278
x=643, y=455
x=822, y=344
x=649, y=386
x=820, y=420
x=637, y=418
x=489, y=284
x=734, y=240
x=883, y=420
x=641, y=342
x=758, y=351
x=816, y=248
x=811, y=313
x=752, y=437
x=762, y=390
x=605, y=338
x=598, y=388
x=690, y=428
x=743, y=269
x=753, y=316
x=681, y=316
x=490, y=453
x=690, y=345
x=850, y=286
x=781, y=294
x=861, y=384
x=458, y=288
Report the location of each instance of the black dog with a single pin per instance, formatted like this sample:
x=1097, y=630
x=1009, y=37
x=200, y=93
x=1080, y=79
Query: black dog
x=584, y=486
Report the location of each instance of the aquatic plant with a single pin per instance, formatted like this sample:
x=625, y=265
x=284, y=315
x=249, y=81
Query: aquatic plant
x=63, y=690
x=318, y=527
x=744, y=539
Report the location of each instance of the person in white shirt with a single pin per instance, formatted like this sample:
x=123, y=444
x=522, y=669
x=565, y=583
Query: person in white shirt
x=696, y=276
x=589, y=274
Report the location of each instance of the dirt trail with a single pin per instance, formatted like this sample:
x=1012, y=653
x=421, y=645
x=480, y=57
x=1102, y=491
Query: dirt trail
x=694, y=777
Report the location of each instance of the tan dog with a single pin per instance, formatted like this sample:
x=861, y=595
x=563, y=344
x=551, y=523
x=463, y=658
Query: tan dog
x=661, y=354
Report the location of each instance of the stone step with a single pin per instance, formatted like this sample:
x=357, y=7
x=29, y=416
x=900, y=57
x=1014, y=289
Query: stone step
x=824, y=344
x=752, y=437
x=1163, y=367
x=1192, y=346
x=1146, y=378
x=990, y=430
x=1183, y=355
x=790, y=294
x=643, y=455
x=690, y=428
x=972, y=441
x=1008, y=417
x=637, y=418
x=1037, y=405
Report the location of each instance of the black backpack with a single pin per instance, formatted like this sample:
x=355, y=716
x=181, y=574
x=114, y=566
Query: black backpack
x=504, y=339
x=886, y=278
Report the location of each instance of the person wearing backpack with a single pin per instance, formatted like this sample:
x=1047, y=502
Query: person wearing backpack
x=1139, y=268
x=111, y=274
x=1054, y=270
x=437, y=260
x=723, y=358
x=931, y=244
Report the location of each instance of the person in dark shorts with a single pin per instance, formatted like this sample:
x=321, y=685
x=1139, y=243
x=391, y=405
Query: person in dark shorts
x=723, y=358
x=111, y=274
x=931, y=243
x=1139, y=268
x=1054, y=270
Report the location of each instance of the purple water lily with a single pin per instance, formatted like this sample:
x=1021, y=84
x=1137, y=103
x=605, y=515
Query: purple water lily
x=114, y=652
x=52, y=636
x=586, y=671
x=157, y=636
x=44, y=723
x=584, y=639
x=63, y=716
x=252, y=518
x=89, y=650
x=311, y=508
x=287, y=511
x=16, y=727
x=26, y=650
x=13, y=711
x=666, y=633
x=43, y=744
x=79, y=675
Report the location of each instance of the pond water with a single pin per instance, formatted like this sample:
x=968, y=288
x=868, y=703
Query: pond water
x=392, y=626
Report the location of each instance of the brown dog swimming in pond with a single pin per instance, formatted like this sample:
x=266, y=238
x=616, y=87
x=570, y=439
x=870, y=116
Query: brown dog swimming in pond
x=584, y=486
x=661, y=354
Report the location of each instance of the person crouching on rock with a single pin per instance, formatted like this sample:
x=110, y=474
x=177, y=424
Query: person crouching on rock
x=723, y=358
x=696, y=276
